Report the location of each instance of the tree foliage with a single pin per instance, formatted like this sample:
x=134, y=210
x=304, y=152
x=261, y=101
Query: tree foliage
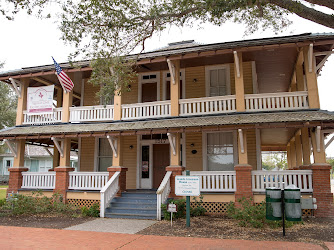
x=274, y=160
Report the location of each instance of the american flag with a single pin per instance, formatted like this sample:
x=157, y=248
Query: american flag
x=63, y=78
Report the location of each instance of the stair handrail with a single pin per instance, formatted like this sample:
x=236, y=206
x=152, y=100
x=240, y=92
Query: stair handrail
x=163, y=193
x=108, y=192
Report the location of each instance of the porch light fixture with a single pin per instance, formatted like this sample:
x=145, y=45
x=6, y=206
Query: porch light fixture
x=131, y=147
x=192, y=145
x=195, y=80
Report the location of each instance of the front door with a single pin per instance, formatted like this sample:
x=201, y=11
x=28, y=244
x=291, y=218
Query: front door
x=160, y=162
x=149, y=92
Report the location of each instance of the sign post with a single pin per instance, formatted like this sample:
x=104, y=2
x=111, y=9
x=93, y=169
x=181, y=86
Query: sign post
x=172, y=208
x=187, y=186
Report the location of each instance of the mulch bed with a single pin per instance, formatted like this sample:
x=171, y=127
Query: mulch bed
x=40, y=221
x=312, y=230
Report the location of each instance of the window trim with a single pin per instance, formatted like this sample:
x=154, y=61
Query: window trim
x=165, y=79
x=207, y=77
x=141, y=81
x=96, y=153
x=205, y=147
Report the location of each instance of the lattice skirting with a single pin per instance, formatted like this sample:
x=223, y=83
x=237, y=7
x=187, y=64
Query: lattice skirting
x=217, y=208
x=82, y=202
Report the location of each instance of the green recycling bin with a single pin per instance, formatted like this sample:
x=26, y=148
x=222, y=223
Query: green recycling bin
x=273, y=204
x=293, y=209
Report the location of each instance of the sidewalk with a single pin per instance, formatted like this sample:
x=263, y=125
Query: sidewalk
x=40, y=238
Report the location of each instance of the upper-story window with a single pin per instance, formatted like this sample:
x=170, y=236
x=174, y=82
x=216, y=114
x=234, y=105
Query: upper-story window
x=167, y=82
x=218, y=80
x=149, y=87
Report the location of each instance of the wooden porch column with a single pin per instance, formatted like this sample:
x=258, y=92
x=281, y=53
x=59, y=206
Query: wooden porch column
x=175, y=87
x=15, y=173
x=22, y=101
x=311, y=80
x=288, y=156
x=242, y=147
x=117, y=161
x=319, y=157
x=300, y=72
x=56, y=155
x=306, y=146
x=293, y=154
x=117, y=105
x=299, y=151
x=239, y=82
x=175, y=160
x=67, y=103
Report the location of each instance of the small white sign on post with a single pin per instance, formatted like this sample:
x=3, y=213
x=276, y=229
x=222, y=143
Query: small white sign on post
x=187, y=186
x=172, y=208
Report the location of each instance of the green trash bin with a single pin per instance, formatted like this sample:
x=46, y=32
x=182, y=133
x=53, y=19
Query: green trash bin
x=273, y=204
x=293, y=209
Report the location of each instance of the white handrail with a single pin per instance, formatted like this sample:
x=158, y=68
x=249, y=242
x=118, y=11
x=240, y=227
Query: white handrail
x=163, y=193
x=216, y=181
x=108, y=192
x=88, y=180
x=276, y=101
x=92, y=113
x=40, y=180
x=207, y=105
x=266, y=179
x=146, y=110
x=47, y=118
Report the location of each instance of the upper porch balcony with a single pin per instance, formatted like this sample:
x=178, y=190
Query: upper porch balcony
x=281, y=101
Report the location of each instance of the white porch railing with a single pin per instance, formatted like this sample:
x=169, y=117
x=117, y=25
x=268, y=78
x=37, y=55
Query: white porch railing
x=163, y=193
x=53, y=117
x=108, y=192
x=146, y=110
x=88, y=180
x=276, y=101
x=207, y=105
x=266, y=179
x=45, y=180
x=92, y=113
x=216, y=181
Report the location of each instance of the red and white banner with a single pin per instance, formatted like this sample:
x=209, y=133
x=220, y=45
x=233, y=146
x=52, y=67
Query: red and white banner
x=40, y=99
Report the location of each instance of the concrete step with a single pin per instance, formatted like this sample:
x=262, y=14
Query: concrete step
x=139, y=195
x=134, y=200
x=133, y=204
x=131, y=216
x=134, y=211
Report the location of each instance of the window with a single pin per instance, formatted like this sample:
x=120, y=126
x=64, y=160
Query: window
x=149, y=87
x=167, y=82
x=220, y=151
x=104, y=155
x=218, y=80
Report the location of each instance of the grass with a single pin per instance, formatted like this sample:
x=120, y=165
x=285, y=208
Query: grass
x=3, y=193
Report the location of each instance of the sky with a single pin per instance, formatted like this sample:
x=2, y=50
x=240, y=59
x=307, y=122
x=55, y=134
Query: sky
x=28, y=41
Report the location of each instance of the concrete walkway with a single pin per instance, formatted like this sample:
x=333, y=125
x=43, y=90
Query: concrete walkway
x=109, y=225
x=41, y=238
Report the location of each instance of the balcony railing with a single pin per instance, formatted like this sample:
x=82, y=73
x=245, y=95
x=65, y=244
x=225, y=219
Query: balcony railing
x=188, y=107
x=48, y=118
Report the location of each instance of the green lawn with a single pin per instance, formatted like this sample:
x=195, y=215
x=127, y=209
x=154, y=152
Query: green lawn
x=3, y=193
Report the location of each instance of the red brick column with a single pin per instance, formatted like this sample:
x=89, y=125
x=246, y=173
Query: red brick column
x=176, y=170
x=62, y=181
x=15, y=179
x=322, y=190
x=243, y=182
x=122, y=177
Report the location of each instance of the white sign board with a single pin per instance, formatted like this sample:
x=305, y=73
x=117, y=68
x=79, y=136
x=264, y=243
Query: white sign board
x=187, y=186
x=40, y=99
x=172, y=208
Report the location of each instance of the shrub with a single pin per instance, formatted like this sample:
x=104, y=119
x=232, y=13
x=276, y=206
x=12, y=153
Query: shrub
x=249, y=214
x=93, y=211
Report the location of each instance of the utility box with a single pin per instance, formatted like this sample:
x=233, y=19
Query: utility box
x=273, y=204
x=293, y=209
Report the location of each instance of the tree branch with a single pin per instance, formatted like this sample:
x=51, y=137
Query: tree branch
x=305, y=12
x=326, y=3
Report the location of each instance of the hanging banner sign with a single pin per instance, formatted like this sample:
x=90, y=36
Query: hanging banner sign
x=40, y=99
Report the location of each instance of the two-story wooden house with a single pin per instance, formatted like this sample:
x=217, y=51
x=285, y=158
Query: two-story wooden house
x=210, y=109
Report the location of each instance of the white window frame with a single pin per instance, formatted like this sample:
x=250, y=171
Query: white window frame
x=205, y=147
x=142, y=81
x=96, y=153
x=207, y=77
x=165, y=79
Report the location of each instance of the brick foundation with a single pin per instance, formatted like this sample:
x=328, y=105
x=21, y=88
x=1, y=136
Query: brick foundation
x=122, y=177
x=176, y=170
x=62, y=181
x=243, y=182
x=15, y=179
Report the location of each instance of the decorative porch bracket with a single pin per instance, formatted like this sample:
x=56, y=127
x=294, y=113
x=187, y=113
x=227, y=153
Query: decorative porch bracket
x=236, y=60
x=310, y=58
x=318, y=137
x=329, y=142
x=13, y=148
x=48, y=151
x=113, y=144
x=171, y=138
x=241, y=140
x=59, y=147
x=171, y=67
x=16, y=84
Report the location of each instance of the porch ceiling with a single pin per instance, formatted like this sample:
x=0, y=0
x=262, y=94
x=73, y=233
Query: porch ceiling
x=290, y=119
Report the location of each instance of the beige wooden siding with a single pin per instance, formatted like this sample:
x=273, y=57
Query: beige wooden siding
x=130, y=160
x=90, y=91
x=87, y=154
x=131, y=96
x=248, y=78
x=251, y=148
x=194, y=162
x=195, y=89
